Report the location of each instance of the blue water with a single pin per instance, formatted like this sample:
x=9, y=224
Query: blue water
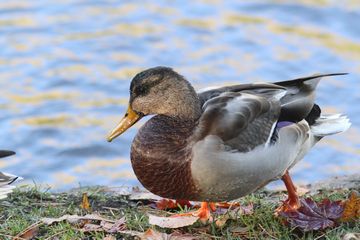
x=65, y=69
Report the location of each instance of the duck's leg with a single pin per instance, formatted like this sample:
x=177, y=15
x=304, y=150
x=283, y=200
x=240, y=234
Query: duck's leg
x=203, y=212
x=293, y=202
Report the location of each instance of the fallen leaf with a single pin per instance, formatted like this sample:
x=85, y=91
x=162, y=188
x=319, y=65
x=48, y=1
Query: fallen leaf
x=75, y=219
x=172, y=222
x=90, y=227
x=29, y=233
x=351, y=208
x=221, y=221
x=314, y=216
x=143, y=194
x=105, y=226
x=109, y=237
x=351, y=236
x=118, y=226
x=236, y=211
x=85, y=202
x=232, y=213
x=151, y=234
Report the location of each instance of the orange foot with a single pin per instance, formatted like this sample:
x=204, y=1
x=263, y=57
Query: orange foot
x=293, y=202
x=165, y=204
x=290, y=204
x=203, y=212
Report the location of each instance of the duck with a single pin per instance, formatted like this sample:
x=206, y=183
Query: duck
x=222, y=143
x=7, y=179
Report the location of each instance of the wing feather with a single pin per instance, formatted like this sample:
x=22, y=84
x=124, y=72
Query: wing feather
x=242, y=120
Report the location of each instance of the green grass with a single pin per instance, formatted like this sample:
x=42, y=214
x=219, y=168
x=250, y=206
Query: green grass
x=27, y=206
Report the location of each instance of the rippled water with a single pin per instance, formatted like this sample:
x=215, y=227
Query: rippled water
x=65, y=69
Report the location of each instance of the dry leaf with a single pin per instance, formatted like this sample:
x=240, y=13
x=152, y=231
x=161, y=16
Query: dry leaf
x=172, y=222
x=105, y=226
x=109, y=237
x=236, y=211
x=85, y=202
x=90, y=227
x=232, y=213
x=351, y=236
x=221, y=221
x=75, y=219
x=118, y=226
x=151, y=234
x=138, y=194
x=30, y=232
x=314, y=216
x=351, y=208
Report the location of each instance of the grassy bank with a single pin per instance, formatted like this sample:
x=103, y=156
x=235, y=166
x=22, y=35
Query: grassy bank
x=27, y=206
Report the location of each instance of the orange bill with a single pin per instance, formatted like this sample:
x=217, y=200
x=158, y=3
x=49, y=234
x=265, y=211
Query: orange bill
x=128, y=120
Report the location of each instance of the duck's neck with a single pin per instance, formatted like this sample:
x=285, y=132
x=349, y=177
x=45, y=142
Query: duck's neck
x=183, y=103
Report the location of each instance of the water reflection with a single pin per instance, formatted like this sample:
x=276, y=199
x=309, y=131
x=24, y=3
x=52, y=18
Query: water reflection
x=65, y=69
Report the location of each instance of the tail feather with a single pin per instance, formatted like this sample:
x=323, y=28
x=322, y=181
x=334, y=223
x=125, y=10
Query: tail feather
x=330, y=124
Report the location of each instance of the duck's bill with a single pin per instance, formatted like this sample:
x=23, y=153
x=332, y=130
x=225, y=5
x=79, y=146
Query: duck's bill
x=128, y=120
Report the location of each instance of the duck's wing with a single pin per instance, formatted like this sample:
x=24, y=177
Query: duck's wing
x=297, y=103
x=242, y=120
x=5, y=178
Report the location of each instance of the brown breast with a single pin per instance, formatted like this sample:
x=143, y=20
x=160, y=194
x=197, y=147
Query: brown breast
x=161, y=158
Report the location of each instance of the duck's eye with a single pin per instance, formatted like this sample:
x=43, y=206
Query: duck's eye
x=140, y=90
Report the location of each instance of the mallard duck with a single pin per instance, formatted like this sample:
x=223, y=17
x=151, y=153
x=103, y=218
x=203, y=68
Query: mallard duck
x=222, y=143
x=5, y=178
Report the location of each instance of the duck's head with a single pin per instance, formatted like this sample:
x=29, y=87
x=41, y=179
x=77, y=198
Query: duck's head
x=159, y=90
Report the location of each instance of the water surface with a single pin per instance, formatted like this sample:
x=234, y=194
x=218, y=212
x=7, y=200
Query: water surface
x=65, y=69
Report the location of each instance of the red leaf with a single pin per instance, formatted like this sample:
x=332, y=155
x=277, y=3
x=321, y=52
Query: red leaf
x=314, y=216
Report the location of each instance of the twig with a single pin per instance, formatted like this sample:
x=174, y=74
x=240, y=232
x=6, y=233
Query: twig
x=325, y=233
x=110, y=208
x=267, y=232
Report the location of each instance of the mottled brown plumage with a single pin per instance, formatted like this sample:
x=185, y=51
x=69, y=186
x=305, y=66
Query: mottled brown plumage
x=161, y=157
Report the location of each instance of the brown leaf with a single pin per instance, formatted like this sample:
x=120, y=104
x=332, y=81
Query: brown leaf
x=221, y=221
x=351, y=209
x=85, y=202
x=90, y=227
x=105, y=226
x=172, y=222
x=314, y=216
x=151, y=234
x=109, y=237
x=30, y=232
x=232, y=213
